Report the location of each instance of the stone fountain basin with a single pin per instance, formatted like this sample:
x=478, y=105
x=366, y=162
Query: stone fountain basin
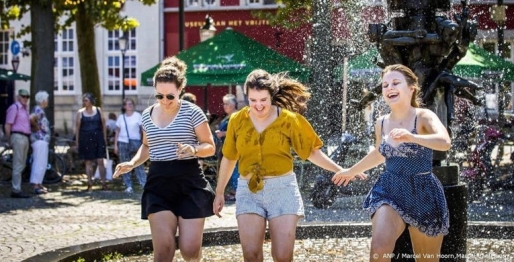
x=229, y=236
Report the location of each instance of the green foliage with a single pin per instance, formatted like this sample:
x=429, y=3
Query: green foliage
x=11, y=10
x=112, y=256
x=105, y=13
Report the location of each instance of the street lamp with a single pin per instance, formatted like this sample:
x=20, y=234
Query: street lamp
x=122, y=43
x=15, y=63
x=207, y=30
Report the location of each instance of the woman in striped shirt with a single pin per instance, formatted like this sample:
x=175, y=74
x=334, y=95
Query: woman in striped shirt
x=176, y=194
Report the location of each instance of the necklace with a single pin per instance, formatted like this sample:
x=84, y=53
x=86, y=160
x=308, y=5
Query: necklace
x=400, y=122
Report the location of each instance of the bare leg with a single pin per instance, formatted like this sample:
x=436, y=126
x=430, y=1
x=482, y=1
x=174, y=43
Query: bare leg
x=89, y=173
x=386, y=227
x=163, y=226
x=101, y=167
x=425, y=248
x=252, y=237
x=283, y=234
x=190, y=238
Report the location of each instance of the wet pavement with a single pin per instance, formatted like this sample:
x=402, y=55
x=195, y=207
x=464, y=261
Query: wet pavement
x=69, y=216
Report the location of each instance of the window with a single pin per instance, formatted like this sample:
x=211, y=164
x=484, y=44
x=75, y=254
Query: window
x=64, y=63
x=115, y=76
x=201, y=3
x=4, y=48
x=261, y=2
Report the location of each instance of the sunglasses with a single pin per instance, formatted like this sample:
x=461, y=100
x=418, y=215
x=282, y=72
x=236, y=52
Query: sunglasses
x=26, y=97
x=168, y=96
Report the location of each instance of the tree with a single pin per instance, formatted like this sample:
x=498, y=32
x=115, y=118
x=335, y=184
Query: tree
x=45, y=15
x=42, y=45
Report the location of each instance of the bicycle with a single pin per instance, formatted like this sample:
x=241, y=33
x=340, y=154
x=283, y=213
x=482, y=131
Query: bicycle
x=55, y=168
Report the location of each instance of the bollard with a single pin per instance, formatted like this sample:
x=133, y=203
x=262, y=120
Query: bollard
x=454, y=244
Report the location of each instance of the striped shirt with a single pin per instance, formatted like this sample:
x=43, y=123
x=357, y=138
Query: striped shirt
x=162, y=142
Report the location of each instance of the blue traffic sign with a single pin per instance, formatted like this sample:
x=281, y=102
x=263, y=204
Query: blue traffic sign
x=15, y=47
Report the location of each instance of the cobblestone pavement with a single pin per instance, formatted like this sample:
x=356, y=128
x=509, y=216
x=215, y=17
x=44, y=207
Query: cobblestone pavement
x=69, y=216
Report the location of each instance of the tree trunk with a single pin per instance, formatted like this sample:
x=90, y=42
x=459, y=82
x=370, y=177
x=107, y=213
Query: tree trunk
x=321, y=108
x=87, y=54
x=42, y=70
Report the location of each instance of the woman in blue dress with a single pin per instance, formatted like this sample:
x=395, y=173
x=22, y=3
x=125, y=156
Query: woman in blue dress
x=407, y=194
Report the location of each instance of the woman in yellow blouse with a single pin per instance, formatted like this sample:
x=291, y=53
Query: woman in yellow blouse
x=260, y=136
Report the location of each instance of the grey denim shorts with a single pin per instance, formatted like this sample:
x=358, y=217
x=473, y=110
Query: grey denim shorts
x=280, y=196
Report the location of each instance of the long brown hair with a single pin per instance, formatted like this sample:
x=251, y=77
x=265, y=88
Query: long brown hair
x=285, y=92
x=412, y=81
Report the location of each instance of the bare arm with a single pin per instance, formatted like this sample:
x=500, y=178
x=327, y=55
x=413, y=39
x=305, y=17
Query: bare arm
x=371, y=160
x=77, y=126
x=431, y=134
x=320, y=159
x=142, y=154
x=104, y=128
x=116, y=134
x=205, y=145
x=224, y=173
x=8, y=128
x=139, y=158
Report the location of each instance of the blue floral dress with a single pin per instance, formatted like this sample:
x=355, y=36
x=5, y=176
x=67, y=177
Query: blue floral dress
x=409, y=187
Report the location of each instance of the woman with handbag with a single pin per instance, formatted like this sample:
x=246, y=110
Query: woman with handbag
x=40, y=138
x=127, y=140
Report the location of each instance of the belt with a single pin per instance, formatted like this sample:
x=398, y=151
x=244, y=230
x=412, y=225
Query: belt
x=21, y=133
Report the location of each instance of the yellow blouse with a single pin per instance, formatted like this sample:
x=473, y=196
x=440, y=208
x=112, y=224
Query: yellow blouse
x=269, y=150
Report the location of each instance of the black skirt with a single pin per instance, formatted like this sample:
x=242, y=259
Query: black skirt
x=178, y=186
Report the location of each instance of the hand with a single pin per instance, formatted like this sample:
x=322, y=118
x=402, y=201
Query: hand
x=343, y=177
x=401, y=135
x=217, y=205
x=123, y=168
x=185, y=150
x=219, y=134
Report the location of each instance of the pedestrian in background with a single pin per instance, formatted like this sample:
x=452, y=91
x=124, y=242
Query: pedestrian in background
x=407, y=194
x=230, y=107
x=261, y=136
x=176, y=193
x=111, y=128
x=17, y=132
x=189, y=97
x=91, y=138
x=40, y=138
x=127, y=140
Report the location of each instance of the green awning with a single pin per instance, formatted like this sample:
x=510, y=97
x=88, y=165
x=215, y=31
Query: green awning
x=228, y=58
x=474, y=64
x=479, y=61
x=363, y=67
x=6, y=74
